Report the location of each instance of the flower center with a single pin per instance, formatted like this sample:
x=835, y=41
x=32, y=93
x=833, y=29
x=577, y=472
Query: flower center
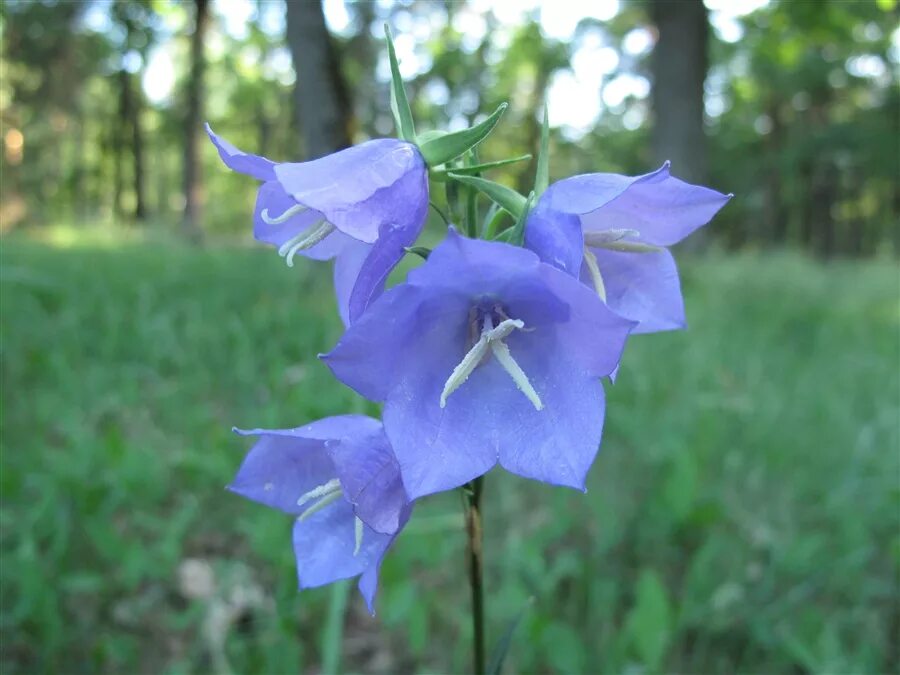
x=490, y=341
x=323, y=495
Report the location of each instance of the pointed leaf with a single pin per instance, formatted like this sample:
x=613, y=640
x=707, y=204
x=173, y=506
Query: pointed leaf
x=498, y=656
x=399, y=103
x=441, y=174
x=517, y=232
x=436, y=151
x=542, y=175
x=507, y=198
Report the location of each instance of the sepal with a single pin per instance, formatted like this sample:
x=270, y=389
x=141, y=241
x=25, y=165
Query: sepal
x=399, y=103
x=507, y=198
x=438, y=150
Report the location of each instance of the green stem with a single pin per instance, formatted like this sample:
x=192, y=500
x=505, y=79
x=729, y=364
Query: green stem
x=474, y=532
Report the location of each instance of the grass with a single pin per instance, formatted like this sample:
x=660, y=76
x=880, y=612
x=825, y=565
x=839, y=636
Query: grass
x=742, y=517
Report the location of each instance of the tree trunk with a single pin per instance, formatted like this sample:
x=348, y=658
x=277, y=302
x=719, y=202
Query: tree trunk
x=137, y=150
x=193, y=187
x=679, y=65
x=322, y=104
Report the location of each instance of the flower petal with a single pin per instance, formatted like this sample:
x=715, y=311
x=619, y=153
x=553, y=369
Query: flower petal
x=556, y=237
x=368, y=582
x=282, y=466
x=488, y=418
x=370, y=477
x=386, y=252
x=346, y=272
x=362, y=187
x=371, y=352
x=593, y=334
x=238, y=160
x=324, y=546
x=663, y=209
x=440, y=448
x=643, y=287
x=558, y=444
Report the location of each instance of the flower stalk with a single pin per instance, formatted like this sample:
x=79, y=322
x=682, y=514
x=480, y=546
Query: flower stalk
x=472, y=496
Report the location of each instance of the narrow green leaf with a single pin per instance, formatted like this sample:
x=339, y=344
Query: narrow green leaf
x=399, y=103
x=333, y=635
x=498, y=656
x=491, y=221
x=441, y=174
x=542, y=175
x=517, y=231
x=439, y=150
x=507, y=198
x=471, y=200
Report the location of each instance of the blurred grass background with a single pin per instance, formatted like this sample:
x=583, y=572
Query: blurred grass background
x=742, y=515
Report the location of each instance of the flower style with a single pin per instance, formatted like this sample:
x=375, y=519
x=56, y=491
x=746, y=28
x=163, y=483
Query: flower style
x=485, y=354
x=339, y=477
x=612, y=231
x=360, y=206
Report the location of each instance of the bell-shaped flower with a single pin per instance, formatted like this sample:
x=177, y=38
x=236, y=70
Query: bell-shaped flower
x=485, y=355
x=612, y=231
x=360, y=206
x=339, y=478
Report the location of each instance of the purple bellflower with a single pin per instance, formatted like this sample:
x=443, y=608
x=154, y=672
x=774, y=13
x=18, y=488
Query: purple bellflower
x=360, y=206
x=611, y=231
x=485, y=354
x=340, y=479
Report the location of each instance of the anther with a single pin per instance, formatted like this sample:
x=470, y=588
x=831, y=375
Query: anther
x=320, y=491
x=284, y=217
x=591, y=261
x=358, y=534
x=492, y=339
x=614, y=240
x=306, y=239
x=321, y=504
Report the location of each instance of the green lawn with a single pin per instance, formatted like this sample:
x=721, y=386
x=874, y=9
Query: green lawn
x=742, y=516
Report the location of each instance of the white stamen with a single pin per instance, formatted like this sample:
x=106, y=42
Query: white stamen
x=591, y=261
x=462, y=371
x=598, y=239
x=501, y=351
x=320, y=491
x=614, y=240
x=631, y=247
x=284, y=217
x=306, y=239
x=321, y=504
x=358, y=534
x=492, y=338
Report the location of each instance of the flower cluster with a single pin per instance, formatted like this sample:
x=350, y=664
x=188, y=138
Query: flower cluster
x=491, y=351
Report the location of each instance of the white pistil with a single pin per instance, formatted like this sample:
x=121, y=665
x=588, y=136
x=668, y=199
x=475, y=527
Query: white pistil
x=358, y=534
x=492, y=338
x=306, y=239
x=284, y=217
x=591, y=261
x=501, y=351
